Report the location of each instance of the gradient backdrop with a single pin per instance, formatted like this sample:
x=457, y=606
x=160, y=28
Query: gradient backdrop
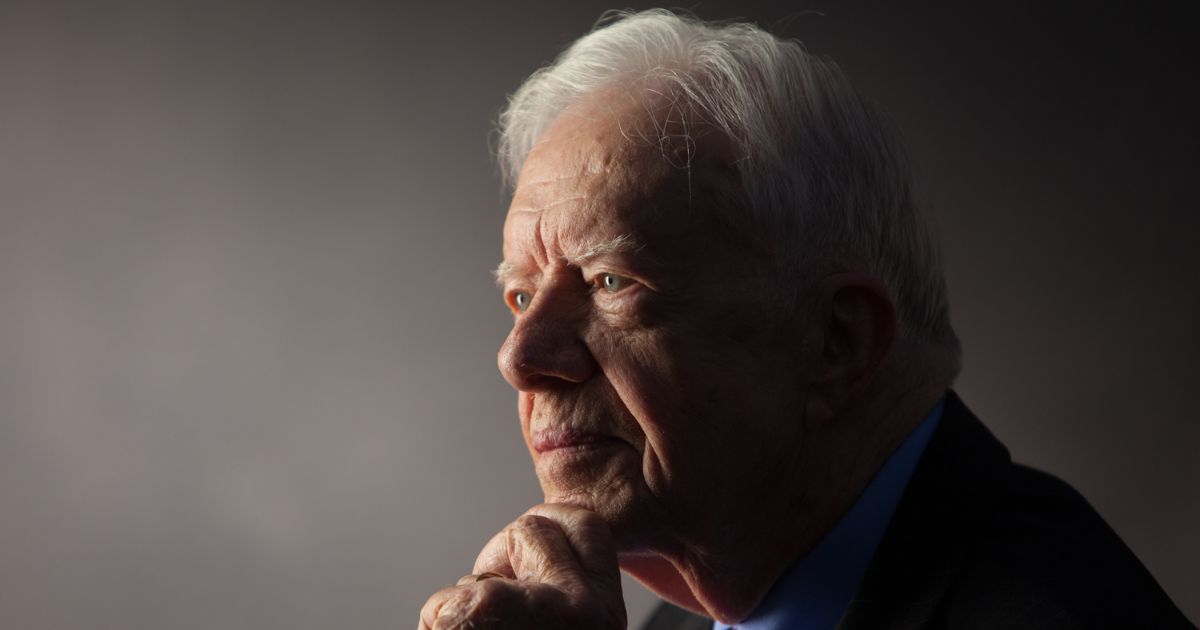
x=248, y=333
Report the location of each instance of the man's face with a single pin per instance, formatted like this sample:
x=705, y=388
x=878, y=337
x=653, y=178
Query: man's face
x=653, y=387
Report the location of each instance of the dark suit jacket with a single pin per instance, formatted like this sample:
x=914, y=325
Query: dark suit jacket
x=980, y=542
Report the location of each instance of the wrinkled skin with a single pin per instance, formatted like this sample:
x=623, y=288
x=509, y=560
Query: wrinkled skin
x=677, y=424
x=679, y=369
x=559, y=570
x=670, y=364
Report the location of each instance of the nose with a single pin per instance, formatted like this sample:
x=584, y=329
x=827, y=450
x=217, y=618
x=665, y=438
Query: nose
x=544, y=350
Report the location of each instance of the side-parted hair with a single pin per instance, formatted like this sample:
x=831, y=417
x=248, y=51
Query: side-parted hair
x=821, y=170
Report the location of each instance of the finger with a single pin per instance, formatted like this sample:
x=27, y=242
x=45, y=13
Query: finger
x=477, y=577
x=532, y=547
x=538, y=550
x=449, y=599
x=493, y=558
x=451, y=607
x=593, y=567
x=492, y=603
x=588, y=535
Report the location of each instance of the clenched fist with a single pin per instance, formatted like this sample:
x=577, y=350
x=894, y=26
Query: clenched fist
x=554, y=567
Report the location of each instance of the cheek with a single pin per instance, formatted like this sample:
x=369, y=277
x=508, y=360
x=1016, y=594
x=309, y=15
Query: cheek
x=653, y=378
x=695, y=387
x=682, y=405
x=695, y=395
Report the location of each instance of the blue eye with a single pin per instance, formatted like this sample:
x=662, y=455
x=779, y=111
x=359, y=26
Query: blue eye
x=521, y=300
x=612, y=283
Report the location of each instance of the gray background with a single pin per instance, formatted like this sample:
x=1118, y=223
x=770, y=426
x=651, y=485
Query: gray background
x=248, y=331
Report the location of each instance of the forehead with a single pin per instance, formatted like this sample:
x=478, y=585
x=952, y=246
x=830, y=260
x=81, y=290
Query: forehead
x=613, y=166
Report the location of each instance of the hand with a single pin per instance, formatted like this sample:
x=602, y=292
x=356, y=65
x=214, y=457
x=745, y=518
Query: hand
x=557, y=567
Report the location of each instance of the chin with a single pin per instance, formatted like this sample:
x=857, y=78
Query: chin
x=633, y=528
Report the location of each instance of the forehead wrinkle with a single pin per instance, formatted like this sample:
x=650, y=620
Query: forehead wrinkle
x=559, y=202
x=573, y=169
x=568, y=165
x=555, y=179
x=507, y=269
x=621, y=243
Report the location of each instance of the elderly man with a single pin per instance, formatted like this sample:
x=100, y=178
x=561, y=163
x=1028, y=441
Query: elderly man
x=732, y=351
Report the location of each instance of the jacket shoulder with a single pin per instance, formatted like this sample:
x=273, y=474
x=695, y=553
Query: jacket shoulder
x=980, y=542
x=1044, y=558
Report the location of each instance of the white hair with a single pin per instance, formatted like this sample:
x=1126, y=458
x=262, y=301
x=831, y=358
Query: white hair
x=821, y=171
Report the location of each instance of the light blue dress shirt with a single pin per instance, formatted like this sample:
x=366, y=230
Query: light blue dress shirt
x=814, y=592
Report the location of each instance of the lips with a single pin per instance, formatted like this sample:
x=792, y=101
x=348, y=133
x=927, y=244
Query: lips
x=548, y=440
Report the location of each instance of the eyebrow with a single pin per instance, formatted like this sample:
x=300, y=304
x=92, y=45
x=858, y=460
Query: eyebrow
x=619, y=244
x=503, y=272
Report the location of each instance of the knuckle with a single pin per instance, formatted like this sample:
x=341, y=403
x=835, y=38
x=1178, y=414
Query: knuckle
x=526, y=533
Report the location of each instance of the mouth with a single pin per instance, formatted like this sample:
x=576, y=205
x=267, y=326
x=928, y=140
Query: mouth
x=567, y=440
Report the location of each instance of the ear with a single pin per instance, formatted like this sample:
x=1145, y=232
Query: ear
x=853, y=329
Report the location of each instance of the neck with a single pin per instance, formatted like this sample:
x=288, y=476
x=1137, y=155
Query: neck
x=725, y=572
